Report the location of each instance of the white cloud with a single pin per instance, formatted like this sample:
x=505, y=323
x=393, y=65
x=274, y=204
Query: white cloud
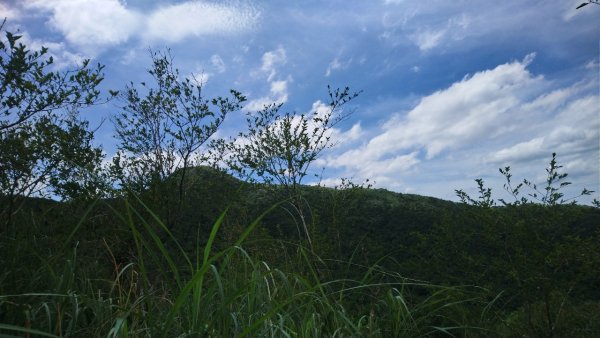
x=93, y=24
x=9, y=12
x=471, y=108
x=279, y=89
x=533, y=148
x=218, y=63
x=337, y=64
x=271, y=60
x=497, y=117
x=278, y=93
x=569, y=8
x=195, y=18
x=353, y=134
x=385, y=172
x=337, y=136
x=546, y=101
x=201, y=76
x=428, y=39
x=63, y=58
x=129, y=57
x=573, y=129
x=593, y=65
x=445, y=25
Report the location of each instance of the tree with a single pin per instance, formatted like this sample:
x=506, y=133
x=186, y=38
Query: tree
x=280, y=147
x=162, y=130
x=45, y=148
x=548, y=195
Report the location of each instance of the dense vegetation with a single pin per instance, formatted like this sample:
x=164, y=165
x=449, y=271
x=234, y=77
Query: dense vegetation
x=175, y=248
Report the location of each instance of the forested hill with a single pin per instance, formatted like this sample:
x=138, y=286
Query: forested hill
x=423, y=237
x=540, y=265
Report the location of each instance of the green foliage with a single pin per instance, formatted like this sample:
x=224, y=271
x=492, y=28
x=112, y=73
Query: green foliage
x=45, y=148
x=485, y=196
x=280, y=148
x=548, y=195
x=222, y=292
x=536, y=267
x=544, y=253
x=163, y=129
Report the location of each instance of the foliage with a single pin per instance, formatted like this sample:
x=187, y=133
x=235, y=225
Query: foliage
x=536, y=267
x=537, y=242
x=164, y=130
x=280, y=148
x=548, y=195
x=485, y=196
x=223, y=292
x=45, y=148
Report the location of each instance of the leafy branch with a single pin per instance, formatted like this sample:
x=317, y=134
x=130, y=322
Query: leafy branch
x=549, y=194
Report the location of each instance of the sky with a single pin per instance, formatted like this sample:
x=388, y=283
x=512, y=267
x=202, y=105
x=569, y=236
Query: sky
x=450, y=90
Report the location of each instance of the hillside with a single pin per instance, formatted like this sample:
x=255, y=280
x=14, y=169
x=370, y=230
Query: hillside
x=539, y=267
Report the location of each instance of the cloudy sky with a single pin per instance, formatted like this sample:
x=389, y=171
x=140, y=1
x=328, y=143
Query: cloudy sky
x=451, y=90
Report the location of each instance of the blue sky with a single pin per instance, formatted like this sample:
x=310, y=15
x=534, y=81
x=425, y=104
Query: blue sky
x=452, y=90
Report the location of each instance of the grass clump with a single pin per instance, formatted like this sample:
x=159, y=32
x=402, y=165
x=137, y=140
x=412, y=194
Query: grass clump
x=161, y=290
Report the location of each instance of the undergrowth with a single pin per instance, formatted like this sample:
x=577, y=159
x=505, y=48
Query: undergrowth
x=163, y=291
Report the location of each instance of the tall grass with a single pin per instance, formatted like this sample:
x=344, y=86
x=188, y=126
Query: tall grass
x=164, y=291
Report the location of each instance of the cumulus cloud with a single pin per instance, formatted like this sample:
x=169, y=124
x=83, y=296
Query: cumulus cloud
x=355, y=133
x=468, y=109
x=567, y=122
x=278, y=91
x=91, y=23
x=204, y=72
x=271, y=60
x=533, y=148
x=94, y=24
x=9, y=12
x=495, y=117
x=62, y=57
x=337, y=136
